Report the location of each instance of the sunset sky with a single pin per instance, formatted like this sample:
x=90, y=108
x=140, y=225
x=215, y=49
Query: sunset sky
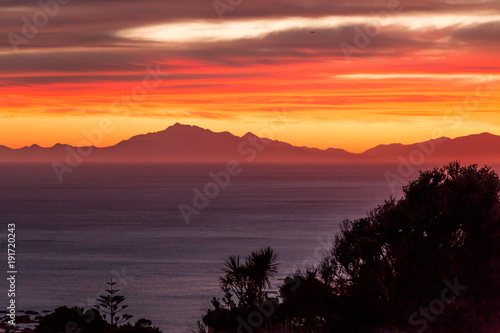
x=338, y=73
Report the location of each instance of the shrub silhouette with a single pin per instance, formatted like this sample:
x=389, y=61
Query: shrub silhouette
x=75, y=319
x=137, y=328
x=143, y=322
x=309, y=300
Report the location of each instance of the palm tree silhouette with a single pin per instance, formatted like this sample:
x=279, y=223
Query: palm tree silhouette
x=248, y=281
x=262, y=266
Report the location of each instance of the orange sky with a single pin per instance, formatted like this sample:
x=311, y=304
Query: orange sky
x=430, y=69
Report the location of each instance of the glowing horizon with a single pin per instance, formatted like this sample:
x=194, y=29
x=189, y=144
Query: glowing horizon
x=348, y=76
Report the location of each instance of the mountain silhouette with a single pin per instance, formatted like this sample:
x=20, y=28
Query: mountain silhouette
x=186, y=143
x=473, y=148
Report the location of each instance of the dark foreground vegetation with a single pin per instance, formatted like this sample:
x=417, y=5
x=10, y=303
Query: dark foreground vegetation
x=76, y=320
x=105, y=317
x=429, y=262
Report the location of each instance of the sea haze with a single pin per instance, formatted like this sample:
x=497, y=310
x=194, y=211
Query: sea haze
x=105, y=221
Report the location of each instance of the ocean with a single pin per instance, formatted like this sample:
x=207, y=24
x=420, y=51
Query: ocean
x=123, y=222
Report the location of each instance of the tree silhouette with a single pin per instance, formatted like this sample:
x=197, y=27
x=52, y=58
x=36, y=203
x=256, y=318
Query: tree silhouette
x=446, y=226
x=246, y=281
x=436, y=249
x=262, y=266
x=249, y=280
x=110, y=305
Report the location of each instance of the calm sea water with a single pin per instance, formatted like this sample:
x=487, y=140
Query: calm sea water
x=123, y=221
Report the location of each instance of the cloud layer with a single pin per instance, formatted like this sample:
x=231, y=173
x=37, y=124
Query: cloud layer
x=337, y=60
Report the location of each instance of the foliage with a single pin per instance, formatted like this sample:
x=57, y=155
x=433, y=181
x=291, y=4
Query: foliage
x=137, y=328
x=248, y=281
x=309, y=302
x=75, y=319
x=446, y=226
x=387, y=266
x=143, y=322
x=199, y=328
x=109, y=305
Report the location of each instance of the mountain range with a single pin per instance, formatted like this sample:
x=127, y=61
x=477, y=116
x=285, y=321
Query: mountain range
x=186, y=143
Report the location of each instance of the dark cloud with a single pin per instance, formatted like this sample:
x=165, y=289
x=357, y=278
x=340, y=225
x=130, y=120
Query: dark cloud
x=109, y=16
x=81, y=39
x=481, y=32
x=119, y=11
x=128, y=63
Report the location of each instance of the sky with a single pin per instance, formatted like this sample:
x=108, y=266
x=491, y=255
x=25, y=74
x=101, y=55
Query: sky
x=347, y=74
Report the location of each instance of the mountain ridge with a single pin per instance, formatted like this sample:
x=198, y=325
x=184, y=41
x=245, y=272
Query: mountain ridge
x=191, y=143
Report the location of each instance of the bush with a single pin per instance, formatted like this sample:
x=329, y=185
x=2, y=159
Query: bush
x=75, y=320
x=65, y=319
